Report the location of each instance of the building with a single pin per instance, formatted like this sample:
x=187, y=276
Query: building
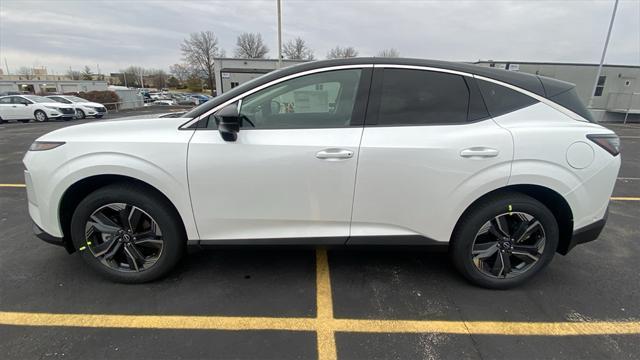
x=617, y=92
x=37, y=81
x=233, y=72
x=47, y=84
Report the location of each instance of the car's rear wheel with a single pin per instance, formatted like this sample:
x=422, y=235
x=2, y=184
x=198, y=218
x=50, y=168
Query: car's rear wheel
x=40, y=116
x=504, y=240
x=127, y=233
x=80, y=114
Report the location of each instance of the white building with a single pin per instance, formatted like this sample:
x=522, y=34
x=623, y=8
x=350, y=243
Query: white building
x=47, y=84
x=233, y=72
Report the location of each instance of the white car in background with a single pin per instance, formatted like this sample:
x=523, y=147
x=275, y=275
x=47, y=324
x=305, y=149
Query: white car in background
x=83, y=107
x=27, y=107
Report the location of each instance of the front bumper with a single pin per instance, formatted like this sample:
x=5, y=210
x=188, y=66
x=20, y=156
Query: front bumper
x=585, y=234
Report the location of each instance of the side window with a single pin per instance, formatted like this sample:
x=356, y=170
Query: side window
x=5, y=100
x=322, y=100
x=420, y=97
x=501, y=100
x=19, y=100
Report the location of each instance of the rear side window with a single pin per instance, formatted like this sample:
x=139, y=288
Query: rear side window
x=420, y=97
x=571, y=101
x=501, y=100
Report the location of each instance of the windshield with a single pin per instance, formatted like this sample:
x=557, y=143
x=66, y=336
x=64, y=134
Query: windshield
x=77, y=99
x=38, y=99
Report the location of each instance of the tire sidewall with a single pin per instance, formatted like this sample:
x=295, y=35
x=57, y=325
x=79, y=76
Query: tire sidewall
x=465, y=235
x=173, y=235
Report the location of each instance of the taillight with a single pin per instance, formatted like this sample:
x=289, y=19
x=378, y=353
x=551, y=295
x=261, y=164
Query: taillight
x=609, y=142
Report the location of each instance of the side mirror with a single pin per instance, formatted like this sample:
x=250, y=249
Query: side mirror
x=228, y=121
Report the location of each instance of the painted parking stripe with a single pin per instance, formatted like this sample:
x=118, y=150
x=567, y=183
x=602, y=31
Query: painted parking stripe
x=317, y=324
x=13, y=185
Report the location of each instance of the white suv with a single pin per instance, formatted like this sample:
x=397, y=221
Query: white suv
x=83, y=107
x=29, y=107
x=504, y=168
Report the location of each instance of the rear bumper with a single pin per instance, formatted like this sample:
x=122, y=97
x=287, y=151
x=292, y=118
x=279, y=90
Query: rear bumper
x=48, y=238
x=586, y=234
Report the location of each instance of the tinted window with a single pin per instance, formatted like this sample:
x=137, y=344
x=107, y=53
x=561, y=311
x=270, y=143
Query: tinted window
x=571, y=101
x=5, y=100
x=20, y=100
x=322, y=100
x=418, y=97
x=501, y=100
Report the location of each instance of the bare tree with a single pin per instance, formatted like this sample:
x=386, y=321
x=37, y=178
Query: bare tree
x=389, y=53
x=250, y=46
x=199, y=51
x=132, y=75
x=342, y=53
x=297, y=49
x=180, y=71
x=158, y=77
x=87, y=74
x=74, y=74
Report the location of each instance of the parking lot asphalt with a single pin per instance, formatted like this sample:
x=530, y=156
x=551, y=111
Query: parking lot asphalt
x=316, y=303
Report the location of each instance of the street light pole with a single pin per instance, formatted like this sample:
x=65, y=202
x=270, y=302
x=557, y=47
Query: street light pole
x=280, y=35
x=604, y=53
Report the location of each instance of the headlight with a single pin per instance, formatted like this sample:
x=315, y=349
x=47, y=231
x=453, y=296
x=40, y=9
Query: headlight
x=52, y=107
x=45, y=145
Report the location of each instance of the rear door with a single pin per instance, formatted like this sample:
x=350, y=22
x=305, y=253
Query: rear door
x=428, y=148
x=290, y=174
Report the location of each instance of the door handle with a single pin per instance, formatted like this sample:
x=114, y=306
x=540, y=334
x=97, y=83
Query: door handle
x=334, y=154
x=479, y=152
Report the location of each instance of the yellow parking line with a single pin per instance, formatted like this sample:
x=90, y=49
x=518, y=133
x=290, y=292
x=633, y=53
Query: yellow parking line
x=327, y=351
x=157, y=321
x=324, y=302
x=13, y=185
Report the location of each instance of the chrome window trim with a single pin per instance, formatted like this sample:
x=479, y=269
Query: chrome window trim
x=271, y=83
x=541, y=99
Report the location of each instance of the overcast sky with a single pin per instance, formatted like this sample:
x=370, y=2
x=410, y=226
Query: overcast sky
x=117, y=33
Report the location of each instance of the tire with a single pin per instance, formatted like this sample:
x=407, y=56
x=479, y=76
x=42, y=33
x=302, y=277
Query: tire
x=2, y=121
x=494, y=265
x=122, y=267
x=24, y=121
x=80, y=114
x=99, y=116
x=40, y=116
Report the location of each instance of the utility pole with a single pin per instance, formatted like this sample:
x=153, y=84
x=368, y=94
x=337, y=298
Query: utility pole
x=124, y=73
x=604, y=53
x=280, y=34
x=6, y=66
x=141, y=79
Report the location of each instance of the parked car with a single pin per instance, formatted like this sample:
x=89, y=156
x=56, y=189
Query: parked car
x=503, y=168
x=164, y=102
x=83, y=107
x=201, y=99
x=28, y=107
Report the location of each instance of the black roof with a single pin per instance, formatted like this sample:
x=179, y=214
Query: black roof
x=536, y=84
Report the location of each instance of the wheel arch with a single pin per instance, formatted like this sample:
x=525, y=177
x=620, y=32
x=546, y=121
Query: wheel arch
x=555, y=202
x=83, y=187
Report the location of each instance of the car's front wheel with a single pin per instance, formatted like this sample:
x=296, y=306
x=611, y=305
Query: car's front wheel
x=128, y=233
x=80, y=114
x=40, y=116
x=504, y=240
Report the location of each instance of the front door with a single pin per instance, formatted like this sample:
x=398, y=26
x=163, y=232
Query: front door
x=290, y=174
